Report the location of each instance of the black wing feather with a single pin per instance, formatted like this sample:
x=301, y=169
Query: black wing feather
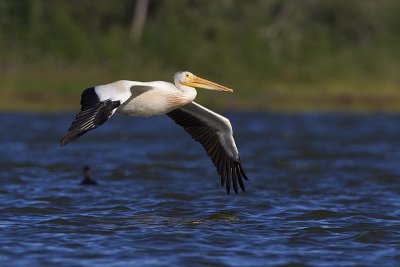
x=230, y=169
x=93, y=114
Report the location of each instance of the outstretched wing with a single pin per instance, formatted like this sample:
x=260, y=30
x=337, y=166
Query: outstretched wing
x=94, y=112
x=214, y=132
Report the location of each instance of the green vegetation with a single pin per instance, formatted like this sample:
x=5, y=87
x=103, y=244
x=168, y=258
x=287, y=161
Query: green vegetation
x=277, y=54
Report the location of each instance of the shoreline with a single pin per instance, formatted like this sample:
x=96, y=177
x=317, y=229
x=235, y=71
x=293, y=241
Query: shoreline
x=283, y=102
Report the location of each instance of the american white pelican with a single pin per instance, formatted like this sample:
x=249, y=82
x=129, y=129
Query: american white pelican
x=133, y=98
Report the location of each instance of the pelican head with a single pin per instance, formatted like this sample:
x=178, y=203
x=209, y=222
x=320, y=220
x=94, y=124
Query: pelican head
x=187, y=78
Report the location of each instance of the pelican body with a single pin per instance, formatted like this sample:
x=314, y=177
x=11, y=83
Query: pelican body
x=146, y=99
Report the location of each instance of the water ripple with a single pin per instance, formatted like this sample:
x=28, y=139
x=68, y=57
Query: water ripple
x=323, y=191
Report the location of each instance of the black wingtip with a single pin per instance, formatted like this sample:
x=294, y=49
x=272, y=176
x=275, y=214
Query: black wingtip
x=232, y=176
x=228, y=184
x=234, y=179
x=242, y=171
x=93, y=113
x=70, y=136
x=63, y=142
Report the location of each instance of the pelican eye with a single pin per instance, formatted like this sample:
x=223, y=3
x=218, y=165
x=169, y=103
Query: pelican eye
x=187, y=75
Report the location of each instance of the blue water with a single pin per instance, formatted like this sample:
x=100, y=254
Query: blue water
x=324, y=191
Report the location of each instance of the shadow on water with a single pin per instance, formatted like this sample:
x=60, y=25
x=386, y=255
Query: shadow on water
x=323, y=190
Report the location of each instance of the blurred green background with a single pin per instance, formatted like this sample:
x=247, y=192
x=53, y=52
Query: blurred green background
x=285, y=55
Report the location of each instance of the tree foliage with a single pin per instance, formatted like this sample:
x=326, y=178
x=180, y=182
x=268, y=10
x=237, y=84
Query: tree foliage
x=97, y=30
x=261, y=40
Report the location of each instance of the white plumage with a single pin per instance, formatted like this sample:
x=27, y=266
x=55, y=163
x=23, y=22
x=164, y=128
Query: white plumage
x=133, y=98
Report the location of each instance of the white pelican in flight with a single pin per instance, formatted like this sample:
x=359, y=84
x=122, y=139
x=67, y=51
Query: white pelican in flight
x=133, y=98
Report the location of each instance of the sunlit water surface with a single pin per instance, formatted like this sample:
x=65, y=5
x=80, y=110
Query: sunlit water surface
x=323, y=191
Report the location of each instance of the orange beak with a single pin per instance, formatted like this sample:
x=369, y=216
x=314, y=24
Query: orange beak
x=206, y=84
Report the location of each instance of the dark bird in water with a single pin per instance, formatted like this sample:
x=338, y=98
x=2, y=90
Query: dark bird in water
x=87, y=177
x=146, y=99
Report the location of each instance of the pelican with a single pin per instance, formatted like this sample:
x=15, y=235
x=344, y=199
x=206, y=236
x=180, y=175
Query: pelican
x=146, y=99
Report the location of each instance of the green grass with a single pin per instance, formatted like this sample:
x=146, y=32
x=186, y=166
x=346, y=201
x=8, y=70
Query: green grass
x=342, y=86
x=327, y=55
